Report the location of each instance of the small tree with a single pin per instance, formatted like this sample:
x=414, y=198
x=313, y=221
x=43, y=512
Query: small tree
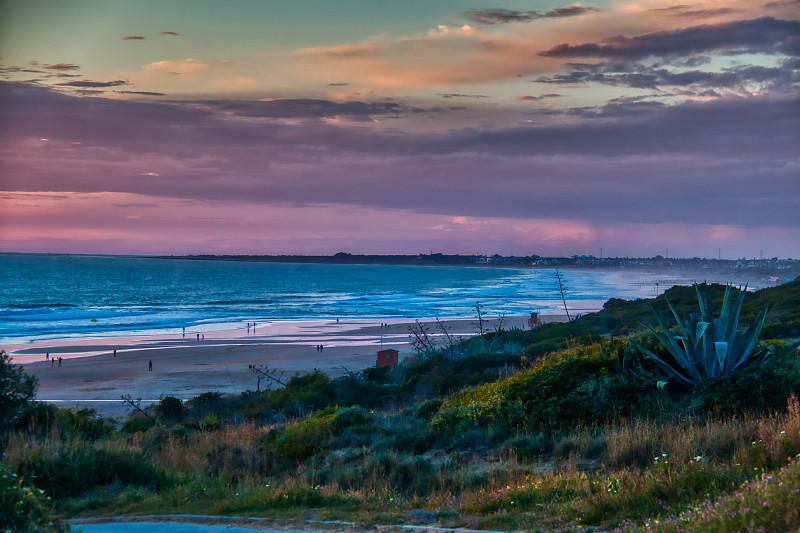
x=17, y=390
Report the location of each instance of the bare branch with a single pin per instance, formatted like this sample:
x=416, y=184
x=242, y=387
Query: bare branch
x=422, y=342
x=479, y=316
x=263, y=371
x=450, y=339
x=128, y=399
x=561, y=287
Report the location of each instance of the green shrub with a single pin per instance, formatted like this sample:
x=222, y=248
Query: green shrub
x=16, y=391
x=428, y=408
x=305, y=438
x=536, y=350
x=530, y=447
x=574, y=386
x=758, y=390
x=82, y=424
x=136, y=424
x=79, y=467
x=350, y=416
x=377, y=374
x=23, y=508
x=170, y=409
x=41, y=419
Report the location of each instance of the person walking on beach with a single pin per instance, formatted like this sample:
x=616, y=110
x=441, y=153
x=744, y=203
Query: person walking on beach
x=150, y=365
x=115, y=353
x=59, y=362
x=47, y=356
x=198, y=337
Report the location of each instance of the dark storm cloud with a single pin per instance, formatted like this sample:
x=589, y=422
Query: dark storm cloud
x=459, y=95
x=144, y=93
x=622, y=74
x=688, y=12
x=540, y=97
x=629, y=160
x=764, y=35
x=62, y=66
x=95, y=84
x=505, y=16
x=782, y=3
x=304, y=108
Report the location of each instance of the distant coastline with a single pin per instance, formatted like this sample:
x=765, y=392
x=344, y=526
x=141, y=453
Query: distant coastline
x=783, y=269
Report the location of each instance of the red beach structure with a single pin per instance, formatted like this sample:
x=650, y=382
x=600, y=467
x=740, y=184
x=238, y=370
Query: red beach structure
x=387, y=357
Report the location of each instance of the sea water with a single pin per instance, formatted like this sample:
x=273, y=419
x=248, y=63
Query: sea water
x=55, y=297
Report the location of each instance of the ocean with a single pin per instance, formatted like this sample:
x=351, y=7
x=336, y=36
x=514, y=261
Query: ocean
x=62, y=297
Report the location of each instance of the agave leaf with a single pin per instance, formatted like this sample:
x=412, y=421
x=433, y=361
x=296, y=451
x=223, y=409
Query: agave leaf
x=723, y=322
x=707, y=368
x=668, y=369
x=733, y=317
x=682, y=329
x=701, y=329
x=750, y=338
x=722, y=354
x=705, y=302
x=692, y=375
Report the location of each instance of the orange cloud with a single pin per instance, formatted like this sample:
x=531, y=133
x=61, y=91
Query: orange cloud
x=451, y=55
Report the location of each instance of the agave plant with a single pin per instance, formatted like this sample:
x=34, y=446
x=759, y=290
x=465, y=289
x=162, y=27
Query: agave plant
x=708, y=347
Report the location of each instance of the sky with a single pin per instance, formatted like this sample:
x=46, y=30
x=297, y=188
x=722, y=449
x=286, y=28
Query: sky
x=621, y=128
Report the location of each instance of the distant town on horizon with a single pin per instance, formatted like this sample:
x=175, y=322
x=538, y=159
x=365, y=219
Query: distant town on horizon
x=774, y=264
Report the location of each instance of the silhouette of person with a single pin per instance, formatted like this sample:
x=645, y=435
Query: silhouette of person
x=150, y=365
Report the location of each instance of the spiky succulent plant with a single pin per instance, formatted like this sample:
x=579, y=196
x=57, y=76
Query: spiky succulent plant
x=707, y=347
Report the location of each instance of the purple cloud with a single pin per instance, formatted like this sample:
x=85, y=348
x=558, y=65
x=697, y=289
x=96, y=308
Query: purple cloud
x=62, y=66
x=93, y=84
x=305, y=108
x=144, y=93
x=622, y=74
x=723, y=162
x=459, y=95
x=505, y=16
x=764, y=35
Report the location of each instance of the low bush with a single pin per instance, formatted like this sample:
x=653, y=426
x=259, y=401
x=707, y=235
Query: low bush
x=170, y=409
x=756, y=390
x=23, y=508
x=528, y=448
x=575, y=386
x=75, y=468
x=137, y=424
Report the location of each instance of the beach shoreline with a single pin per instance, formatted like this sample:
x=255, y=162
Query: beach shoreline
x=91, y=375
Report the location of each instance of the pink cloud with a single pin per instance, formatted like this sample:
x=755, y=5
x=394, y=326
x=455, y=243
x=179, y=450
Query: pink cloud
x=68, y=222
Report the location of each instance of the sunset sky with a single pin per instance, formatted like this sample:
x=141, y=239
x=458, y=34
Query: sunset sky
x=454, y=126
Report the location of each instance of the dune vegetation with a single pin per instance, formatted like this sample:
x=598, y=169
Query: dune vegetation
x=597, y=424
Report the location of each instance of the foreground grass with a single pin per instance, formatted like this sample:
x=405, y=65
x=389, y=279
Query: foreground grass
x=683, y=475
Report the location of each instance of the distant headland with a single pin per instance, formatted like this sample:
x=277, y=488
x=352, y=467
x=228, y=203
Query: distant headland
x=785, y=269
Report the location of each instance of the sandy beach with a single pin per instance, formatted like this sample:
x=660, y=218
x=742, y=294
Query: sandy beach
x=90, y=375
